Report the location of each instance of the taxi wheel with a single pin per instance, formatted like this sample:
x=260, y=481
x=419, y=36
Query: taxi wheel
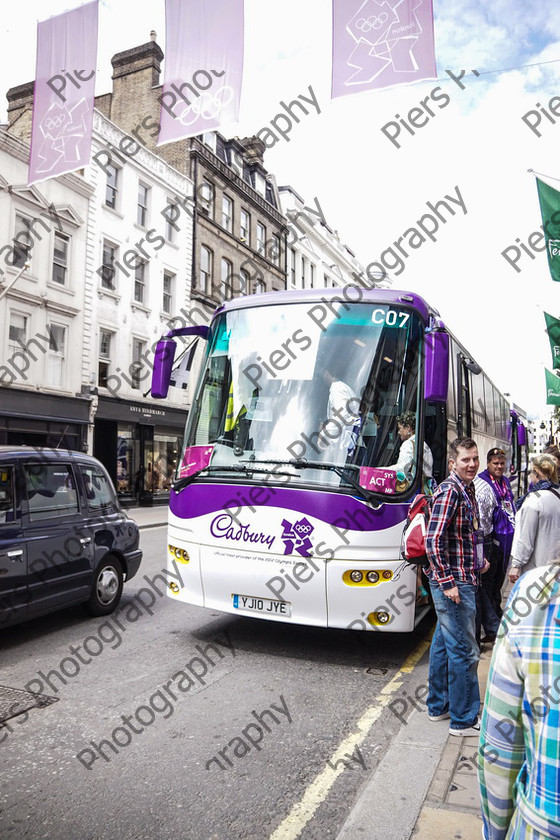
x=107, y=587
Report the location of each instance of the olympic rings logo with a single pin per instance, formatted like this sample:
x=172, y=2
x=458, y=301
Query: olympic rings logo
x=55, y=122
x=303, y=529
x=372, y=22
x=207, y=106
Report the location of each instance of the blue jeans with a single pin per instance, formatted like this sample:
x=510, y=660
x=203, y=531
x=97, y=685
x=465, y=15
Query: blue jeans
x=454, y=655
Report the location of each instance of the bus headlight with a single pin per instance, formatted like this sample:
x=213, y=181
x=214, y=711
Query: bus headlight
x=355, y=577
x=179, y=554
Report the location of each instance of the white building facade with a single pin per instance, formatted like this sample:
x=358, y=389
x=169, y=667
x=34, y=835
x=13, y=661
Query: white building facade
x=94, y=267
x=316, y=258
x=139, y=272
x=44, y=398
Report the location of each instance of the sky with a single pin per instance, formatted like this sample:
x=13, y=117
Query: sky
x=477, y=149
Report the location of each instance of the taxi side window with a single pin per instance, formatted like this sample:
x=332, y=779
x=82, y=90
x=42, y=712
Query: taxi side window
x=51, y=491
x=7, y=510
x=99, y=491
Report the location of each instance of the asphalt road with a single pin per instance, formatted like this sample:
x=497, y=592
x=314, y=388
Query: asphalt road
x=156, y=735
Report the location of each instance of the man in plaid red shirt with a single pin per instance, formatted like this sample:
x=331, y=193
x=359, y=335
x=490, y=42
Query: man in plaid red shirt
x=454, y=544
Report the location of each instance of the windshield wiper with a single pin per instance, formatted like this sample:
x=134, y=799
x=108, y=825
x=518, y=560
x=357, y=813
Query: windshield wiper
x=304, y=464
x=238, y=468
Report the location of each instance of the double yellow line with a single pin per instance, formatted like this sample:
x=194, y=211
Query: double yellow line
x=317, y=791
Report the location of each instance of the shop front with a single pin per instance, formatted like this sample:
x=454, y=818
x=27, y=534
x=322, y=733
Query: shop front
x=139, y=445
x=29, y=418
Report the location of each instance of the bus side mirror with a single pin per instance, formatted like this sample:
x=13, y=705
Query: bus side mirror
x=163, y=365
x=165, y=355
x=436, y=365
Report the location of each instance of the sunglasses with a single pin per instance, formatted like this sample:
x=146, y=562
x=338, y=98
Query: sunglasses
x=495, y=453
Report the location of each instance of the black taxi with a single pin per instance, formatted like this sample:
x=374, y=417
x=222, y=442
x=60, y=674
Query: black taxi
x=64, y=538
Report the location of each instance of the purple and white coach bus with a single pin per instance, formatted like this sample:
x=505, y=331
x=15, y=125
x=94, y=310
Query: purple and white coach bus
x=289, y=501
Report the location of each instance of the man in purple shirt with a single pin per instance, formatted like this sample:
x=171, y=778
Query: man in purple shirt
x=454, y=544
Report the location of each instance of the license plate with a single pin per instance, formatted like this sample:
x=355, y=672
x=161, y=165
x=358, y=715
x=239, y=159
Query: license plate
x=261, y=605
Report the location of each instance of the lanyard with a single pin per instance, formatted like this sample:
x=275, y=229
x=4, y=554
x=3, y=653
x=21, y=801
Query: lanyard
x=469, y=489
x=470, y=499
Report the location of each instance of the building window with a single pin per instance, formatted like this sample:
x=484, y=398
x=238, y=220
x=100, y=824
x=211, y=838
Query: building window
x=111, y=188
x=245, y=226
x=227, y=213
x=108, y=265
x=17, y=333
x=293, y=267
x=275, y=249
x=60, y=259
x=23, y=241
x=170, y=214
x=137, y=365
x=311, y=276
x=56, y=355
x=207, y=198
x=303, y=266
x=227, y=271
x=168, y=285
x=142, y=208
x=140, y=282
x=209, y=137
x=205, y=269
x=261, y=238
x=260, y=287
x=245, y=282
x=104, y=357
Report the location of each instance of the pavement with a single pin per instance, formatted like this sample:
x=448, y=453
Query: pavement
x=148, y=517
x=426, y=786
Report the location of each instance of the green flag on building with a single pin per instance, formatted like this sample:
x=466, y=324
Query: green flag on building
x=553, y=330
x=549, y=200
x=552, y=388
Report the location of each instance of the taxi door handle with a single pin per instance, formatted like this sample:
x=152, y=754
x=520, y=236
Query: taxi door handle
x=16, y=555
x=85, y=540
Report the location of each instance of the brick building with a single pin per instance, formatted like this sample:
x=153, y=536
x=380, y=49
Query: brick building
x=239, y=235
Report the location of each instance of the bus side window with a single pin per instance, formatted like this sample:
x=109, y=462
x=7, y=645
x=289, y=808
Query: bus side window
x=435, y=435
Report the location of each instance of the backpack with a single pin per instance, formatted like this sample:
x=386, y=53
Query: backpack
x=413, y=543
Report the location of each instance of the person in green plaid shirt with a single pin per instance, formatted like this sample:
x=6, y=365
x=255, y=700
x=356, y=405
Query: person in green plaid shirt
x=519, y=749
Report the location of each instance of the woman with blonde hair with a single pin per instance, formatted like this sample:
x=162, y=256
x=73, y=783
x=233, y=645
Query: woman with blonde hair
x=537, y=526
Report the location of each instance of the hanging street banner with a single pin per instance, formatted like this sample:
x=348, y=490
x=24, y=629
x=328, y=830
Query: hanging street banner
x=552, y=388
x=63, y=100
x=549, y=200
x=203, y=66
x=381, y=43
x=553, y=330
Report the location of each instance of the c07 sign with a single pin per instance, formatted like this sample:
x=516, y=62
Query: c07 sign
x=390, y=317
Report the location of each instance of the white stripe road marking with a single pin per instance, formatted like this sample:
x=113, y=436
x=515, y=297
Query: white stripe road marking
x=317, y=791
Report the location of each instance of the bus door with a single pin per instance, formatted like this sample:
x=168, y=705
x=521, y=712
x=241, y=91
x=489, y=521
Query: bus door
x=464, y=395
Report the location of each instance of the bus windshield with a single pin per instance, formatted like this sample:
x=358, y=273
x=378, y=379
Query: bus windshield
x=281, y=384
